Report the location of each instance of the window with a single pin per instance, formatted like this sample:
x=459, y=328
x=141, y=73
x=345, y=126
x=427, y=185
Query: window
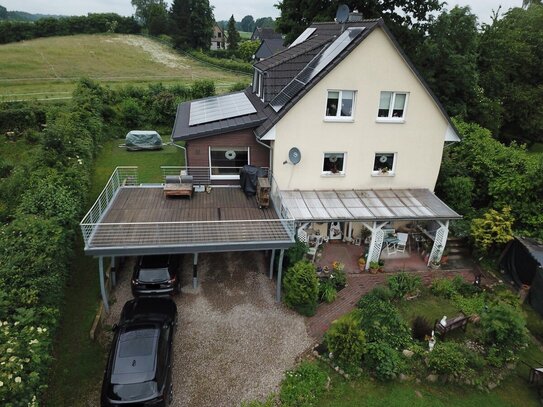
x=225, y=162
x=334, y=163
x=384, y=163
x=218, y=44
x=219, y=34
x=392, y=105
x=339, y=104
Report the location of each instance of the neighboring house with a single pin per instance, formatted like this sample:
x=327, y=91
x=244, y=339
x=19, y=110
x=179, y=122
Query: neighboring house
x=270, y=42
x=218, y=40
x=261, y=33
x=369, y=131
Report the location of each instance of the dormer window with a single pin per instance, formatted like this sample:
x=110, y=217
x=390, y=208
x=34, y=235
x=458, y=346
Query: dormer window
x=392, y=106
x=339, y=105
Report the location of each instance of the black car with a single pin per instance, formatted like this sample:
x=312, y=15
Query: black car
x=156, y=275
x=139, y=367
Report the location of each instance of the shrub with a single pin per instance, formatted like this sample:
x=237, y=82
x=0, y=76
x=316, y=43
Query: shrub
x=301, y=288
x=346, y=340
x=504, y=329
x=403, y=283
x=421, y=328
x=493, y=229
x=297, y=252
x=339, y=277
x=238, y=86
x=448, y=358
x=303, y=386
x=470, y=305
x=327, y=290
x=202, y=89
x=131, y=113
x=383, y=361
x=443, y=287
x=382, y=292
x=382, y=322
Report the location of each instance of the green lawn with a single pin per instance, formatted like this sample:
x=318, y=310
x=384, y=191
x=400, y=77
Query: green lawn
x=245, y=35
x=47, y=68
x=79, y=362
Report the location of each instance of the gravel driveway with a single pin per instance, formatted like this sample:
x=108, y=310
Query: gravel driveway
x=233, y=341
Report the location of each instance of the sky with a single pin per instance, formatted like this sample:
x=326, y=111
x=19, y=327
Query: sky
x=223, y=8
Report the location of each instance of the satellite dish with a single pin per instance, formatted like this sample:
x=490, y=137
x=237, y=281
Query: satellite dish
x=383, y=159
x=342, y=13
x=333, y=159
x=294, y=155
x=230, y=154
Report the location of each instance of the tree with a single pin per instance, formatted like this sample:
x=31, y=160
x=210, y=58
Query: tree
x=4, y=13
x=448, y=60
x=180, y=17
x=158, y=20
x=232, y=35
x=247, y=49
x=528, y=3
x=407, y=19
x=201, y=24
x=264, y=22
x=145, y=9
x=510, y=64
x=247, y=23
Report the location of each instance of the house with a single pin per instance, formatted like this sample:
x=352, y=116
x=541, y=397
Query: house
x=218, y=40
x=350, y=131
x=270, y=42
x=351, y=138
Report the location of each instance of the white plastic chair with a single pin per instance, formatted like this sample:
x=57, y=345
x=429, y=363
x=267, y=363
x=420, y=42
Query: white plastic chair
x=402, y=242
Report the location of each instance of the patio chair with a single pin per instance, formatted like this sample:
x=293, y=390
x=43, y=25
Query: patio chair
x=402, y=242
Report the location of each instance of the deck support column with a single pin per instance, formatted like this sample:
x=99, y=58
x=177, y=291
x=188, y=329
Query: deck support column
x=272, y=258
x=195, y=271
x=113, y=272
x=279, y=273
x=376, y=244
x=440, y=241
x=102, y=283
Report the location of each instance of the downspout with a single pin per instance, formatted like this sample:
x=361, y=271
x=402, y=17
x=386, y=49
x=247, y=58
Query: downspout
x=172, y=142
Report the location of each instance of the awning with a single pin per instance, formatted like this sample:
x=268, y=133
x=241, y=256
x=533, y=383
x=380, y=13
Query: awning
x=365, y=205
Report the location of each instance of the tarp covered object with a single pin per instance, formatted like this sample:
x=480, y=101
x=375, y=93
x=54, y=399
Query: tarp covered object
x=523, y=262
x=143, y=140
x=248, y=178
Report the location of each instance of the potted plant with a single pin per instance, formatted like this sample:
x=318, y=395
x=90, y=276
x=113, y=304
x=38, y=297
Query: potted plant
x=361, y=263
x=435, y=264
x=381, y=266
x=374, y=267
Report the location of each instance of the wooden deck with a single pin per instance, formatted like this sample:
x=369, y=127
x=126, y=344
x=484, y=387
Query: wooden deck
x=150, y=205
x=142, y=218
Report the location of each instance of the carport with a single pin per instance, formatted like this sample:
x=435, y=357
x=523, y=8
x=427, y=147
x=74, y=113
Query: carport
x=133, y=219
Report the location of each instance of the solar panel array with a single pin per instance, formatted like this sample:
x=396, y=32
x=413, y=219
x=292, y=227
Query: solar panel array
x=303, y=36
x=312, y=69
x=219, y=108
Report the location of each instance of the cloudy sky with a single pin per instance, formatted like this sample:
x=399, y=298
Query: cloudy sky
x=223, y=8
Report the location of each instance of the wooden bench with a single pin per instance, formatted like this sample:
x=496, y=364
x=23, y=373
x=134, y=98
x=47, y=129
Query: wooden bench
x=461, y=321
x=178, y=190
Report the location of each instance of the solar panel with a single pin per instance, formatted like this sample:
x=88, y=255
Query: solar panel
x=316, y=65
x=303, y=36
x=219, y=108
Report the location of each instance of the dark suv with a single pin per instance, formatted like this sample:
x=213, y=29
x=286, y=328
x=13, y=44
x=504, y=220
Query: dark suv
x=156, y=275
x=139, y=367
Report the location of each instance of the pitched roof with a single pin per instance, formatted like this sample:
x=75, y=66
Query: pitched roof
x=182, y=130
x=261, y=33
x=289, y=74
x=269, y=47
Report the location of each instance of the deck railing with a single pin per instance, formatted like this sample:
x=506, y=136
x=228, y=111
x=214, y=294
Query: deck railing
x=98, y=234
x=206, y=175
x=122, y=176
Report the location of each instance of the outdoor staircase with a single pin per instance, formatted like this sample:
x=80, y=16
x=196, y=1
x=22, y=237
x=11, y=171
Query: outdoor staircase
x=458, y=248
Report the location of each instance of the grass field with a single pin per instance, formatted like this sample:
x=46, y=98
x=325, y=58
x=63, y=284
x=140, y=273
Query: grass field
x=47, y=68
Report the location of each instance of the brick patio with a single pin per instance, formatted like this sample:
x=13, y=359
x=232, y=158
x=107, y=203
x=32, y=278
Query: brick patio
x=360, y=284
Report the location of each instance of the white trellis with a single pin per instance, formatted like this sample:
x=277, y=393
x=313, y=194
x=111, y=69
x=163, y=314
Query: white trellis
x=376, y=244
x=439, y=242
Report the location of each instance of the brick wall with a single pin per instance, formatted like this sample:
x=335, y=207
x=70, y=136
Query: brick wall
x=198, y=150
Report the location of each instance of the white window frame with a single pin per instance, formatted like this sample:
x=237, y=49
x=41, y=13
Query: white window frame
x=226, y=176
x=338, y=117
x=391, y=172
x=390, y=118
x=330, y=173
